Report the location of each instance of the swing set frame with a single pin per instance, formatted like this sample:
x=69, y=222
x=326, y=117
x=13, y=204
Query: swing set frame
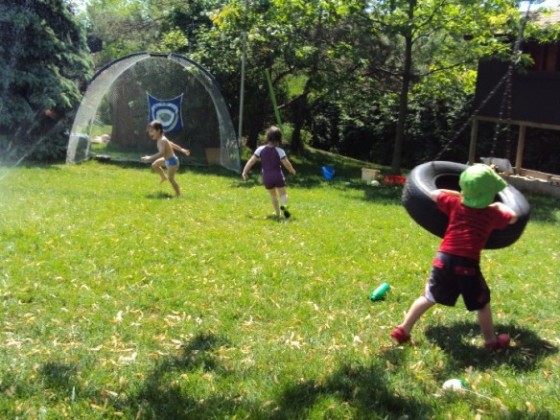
x=523, y=125
x=525, y=179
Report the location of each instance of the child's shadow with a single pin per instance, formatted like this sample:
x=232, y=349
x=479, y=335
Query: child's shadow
x=271, y=218
x=160, y=195
x=250, y=183
x=461, y=341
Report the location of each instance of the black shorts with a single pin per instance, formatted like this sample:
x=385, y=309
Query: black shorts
x=453, y=276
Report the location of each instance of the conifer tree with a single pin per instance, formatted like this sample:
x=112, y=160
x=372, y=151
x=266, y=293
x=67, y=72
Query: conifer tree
x=44, y=61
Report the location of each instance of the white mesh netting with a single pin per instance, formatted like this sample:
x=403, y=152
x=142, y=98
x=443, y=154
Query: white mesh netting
x=112, y=118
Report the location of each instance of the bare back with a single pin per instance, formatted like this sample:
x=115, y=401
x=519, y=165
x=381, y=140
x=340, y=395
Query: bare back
x=164, y=147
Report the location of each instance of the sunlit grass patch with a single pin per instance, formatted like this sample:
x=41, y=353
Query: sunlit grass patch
x=119, y=301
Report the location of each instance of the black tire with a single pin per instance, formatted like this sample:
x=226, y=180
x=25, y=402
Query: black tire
x=438, y=174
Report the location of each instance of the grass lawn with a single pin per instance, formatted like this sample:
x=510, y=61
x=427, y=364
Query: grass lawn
x=117, y=302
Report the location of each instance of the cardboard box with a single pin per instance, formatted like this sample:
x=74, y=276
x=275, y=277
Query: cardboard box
x=370, y=174
x=213, y=155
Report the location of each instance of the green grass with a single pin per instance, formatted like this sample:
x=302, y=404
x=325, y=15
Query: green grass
x=117, y=302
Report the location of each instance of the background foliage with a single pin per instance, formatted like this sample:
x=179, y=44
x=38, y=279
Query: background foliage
x=387, y=81
x=339, y=67
x=43, y=60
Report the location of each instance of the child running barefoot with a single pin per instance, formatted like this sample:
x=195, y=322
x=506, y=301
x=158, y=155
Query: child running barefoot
x=165, y=155
x=272, y=158
x=456, y=269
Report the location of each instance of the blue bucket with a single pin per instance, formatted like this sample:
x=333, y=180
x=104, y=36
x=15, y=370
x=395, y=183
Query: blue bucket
x=328, y=172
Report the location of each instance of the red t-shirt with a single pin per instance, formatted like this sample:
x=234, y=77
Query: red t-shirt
x=468, y=228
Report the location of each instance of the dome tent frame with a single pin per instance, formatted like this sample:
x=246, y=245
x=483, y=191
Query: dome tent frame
x=79, y=145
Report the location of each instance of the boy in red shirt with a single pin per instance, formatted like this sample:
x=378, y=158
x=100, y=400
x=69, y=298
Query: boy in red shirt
x=456, y=270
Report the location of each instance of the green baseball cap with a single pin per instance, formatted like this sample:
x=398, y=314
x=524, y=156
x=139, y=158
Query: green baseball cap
x=479, y=185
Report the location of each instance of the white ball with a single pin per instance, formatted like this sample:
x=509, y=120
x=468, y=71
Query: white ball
x=453, y=385
x=374, y=183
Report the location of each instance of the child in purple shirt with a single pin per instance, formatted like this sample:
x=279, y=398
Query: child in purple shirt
x=272, y=158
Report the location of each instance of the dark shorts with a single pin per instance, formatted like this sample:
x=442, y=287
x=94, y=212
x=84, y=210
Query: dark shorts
x=453, y=276
x=274, y=180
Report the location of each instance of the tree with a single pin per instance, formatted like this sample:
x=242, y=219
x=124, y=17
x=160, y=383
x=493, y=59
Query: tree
x=433, y=36
x=128, y=26
x=44, y=60
x=123, y=27
x=307, y=45
x=358, y=71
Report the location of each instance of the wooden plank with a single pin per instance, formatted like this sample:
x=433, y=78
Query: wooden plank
x=518, y=122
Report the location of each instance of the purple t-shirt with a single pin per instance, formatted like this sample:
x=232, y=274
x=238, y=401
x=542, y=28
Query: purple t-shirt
x=270, y=158
x=271, y=163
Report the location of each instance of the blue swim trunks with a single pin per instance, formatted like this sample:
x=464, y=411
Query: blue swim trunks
x=172, y=161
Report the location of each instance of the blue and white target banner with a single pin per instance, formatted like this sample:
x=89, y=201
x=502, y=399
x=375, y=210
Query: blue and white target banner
x=168, y=111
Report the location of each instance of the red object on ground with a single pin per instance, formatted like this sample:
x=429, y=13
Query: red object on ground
x=502, y=342
x=394, y=180
x=399, y=335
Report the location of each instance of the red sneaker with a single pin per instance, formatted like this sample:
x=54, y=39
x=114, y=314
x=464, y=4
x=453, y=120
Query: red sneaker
x=502, y=342
x=400, y=335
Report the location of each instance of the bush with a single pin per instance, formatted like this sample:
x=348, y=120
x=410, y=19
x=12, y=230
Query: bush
x=43, y=141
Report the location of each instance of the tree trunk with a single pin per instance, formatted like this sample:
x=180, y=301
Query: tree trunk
x=253, y=136
x=255, y=124
x=299, y=110
x=403, y=98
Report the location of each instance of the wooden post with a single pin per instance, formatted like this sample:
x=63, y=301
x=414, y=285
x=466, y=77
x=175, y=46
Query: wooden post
x=474, y=137
x=520, y=148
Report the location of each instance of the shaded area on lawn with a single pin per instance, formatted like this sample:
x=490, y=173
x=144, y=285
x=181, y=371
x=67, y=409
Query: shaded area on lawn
x=525, y=354
x=543, y=209
x=8, y=166
x=59, y=376
x=383, y=195
x=309, y=170
x=160, y=195
x=361, y=389
x=160, y=395
x=387, y=195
